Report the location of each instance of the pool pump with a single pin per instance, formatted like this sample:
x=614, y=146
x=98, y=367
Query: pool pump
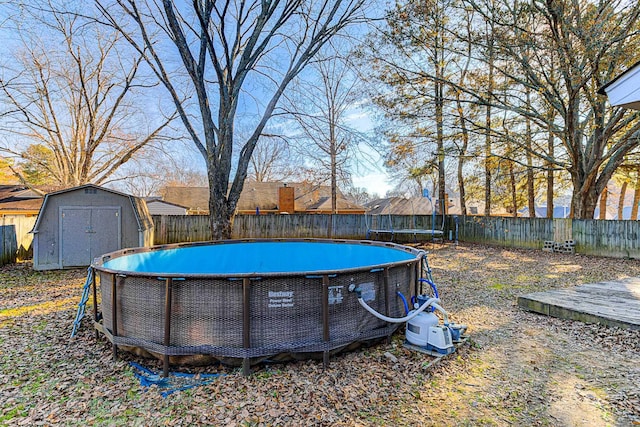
x=423, y=326
x=425, y=331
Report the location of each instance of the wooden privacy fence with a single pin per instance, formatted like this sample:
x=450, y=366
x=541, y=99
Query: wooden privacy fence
x=195, y=228
x=504, y=231
x=16, y=239
x=9, y=246
x=593, y=237
x=618, y=239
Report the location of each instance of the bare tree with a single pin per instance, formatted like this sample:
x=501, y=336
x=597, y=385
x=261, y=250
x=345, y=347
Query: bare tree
x=155, y=168
x=70, y=92
x=231, y=53
x=320, y=107
x=273, y=160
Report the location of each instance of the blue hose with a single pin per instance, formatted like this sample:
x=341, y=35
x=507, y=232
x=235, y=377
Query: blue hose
x=404, y=300
x=433, y=286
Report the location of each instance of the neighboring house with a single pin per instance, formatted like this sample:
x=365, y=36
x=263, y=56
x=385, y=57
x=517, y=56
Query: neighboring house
x=323, y=205
x=79, y=224
x=266, y=197
x=541, y=212
x=19, y=206
x=624, y=90
x=401, y=206
x=626, y=213
x=613, y=203
x=409, y=206
x=20, y=200
x=423, y=206
x=195, y=199
x=158, y=206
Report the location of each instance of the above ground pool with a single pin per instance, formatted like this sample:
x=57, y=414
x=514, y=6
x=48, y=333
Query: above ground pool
x=242, y=302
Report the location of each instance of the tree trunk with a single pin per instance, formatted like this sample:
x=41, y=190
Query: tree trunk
x=550, y=183
x=439, y=106
x=584, y=200
x=463, y=152
x=220, y=218
x=487, y=148
x=531, y=195
x=603, y=204
x=221, y=212
x=334, y=179
x=334, y=185
x=514, y=195
x=623, y=193
x=636, y=197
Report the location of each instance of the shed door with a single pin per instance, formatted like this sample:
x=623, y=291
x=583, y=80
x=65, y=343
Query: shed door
x=88, y=232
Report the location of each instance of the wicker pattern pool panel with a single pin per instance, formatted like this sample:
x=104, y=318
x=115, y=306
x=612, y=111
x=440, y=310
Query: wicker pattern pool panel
x=248, y=319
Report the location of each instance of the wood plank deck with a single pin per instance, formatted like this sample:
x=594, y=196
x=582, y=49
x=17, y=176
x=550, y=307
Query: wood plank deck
x=614, y=303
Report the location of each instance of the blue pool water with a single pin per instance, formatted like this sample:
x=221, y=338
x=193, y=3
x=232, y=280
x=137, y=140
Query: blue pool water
x=259, y=258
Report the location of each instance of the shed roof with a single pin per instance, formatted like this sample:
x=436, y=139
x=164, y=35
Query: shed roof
x=139, y=206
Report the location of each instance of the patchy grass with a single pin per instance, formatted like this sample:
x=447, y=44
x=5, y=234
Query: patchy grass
x=42, y=308
x=518, y=368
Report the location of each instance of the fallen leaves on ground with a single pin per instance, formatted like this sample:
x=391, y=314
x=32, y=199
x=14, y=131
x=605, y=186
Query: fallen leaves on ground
x=519, y=368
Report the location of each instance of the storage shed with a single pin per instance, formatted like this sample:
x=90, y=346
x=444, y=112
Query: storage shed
x=78, y=224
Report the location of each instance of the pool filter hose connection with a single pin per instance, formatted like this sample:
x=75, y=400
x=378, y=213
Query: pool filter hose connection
x=431, y=302
x=425, y=331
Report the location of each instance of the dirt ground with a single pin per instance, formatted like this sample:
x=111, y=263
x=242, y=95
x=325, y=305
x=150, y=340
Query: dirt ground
x=518, y=368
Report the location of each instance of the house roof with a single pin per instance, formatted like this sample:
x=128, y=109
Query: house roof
x=624, y=90
x=161, y=207
x=19, y=192
x=139, y=206
x=20, y=198
x=541, y=211
x=400, y=206
x=194, y=198
x=324, y=205
x=262, y=195
x=164, y=202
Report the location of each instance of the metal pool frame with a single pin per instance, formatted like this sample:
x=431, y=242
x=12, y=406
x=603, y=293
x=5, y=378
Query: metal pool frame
x=343, y=323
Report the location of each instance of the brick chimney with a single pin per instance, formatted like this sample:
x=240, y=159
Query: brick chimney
x=286, y=198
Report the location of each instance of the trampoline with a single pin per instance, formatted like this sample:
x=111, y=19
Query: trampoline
x=242, y=302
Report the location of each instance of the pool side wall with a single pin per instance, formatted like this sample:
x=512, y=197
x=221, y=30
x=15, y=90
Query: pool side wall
x=254, y=317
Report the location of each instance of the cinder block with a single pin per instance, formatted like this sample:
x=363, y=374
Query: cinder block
x=548, y=246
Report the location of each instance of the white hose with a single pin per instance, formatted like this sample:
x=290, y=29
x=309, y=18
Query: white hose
x=445, y=316
x=423, y=307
